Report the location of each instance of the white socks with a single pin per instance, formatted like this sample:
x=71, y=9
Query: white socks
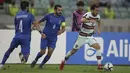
x=98, y=54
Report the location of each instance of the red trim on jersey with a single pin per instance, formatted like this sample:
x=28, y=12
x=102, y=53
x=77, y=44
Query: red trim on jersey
x=91, y=18
x=84, y=34
x=87, y=26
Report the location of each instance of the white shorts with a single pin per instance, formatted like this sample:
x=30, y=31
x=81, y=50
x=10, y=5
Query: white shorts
x=84, y=40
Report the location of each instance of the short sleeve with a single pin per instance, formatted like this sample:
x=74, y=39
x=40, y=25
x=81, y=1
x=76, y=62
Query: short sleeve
x=63, y=19
x=32, y=18
x=63, y=22
x=99, y=18
x=85, y=15
x=44, y=18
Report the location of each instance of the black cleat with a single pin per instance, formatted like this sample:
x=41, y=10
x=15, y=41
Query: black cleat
x=22, y=59
x=40, y=66
x=33, y=64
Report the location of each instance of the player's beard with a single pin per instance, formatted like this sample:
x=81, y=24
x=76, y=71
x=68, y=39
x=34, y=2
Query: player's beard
x=58, y=14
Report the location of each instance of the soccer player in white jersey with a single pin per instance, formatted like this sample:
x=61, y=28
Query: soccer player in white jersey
x=89, y=20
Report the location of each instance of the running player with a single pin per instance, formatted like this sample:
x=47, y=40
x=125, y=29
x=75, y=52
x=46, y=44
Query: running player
x=23, y=22
x=85, y=35
x=55, y=25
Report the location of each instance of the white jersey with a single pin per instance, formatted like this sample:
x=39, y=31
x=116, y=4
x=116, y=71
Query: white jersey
x=88, y=28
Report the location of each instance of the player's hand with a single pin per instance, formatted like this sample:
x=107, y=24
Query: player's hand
x=43, y=35
x=33, y=27
x=92, y=21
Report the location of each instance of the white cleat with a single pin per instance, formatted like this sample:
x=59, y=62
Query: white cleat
x=22, y=59
x=1, y=66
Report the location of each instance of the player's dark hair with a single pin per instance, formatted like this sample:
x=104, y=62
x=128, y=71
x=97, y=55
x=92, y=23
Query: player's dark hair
x=94, y=6
x=80, y=3
x=56, y=6
x=24, y=5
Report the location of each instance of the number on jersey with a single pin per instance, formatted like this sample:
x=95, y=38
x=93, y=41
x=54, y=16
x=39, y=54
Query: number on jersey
x=54, y=26
x=21, y=26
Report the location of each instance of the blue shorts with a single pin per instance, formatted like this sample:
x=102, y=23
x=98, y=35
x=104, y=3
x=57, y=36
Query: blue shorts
x=48, y=42
x=24, y=42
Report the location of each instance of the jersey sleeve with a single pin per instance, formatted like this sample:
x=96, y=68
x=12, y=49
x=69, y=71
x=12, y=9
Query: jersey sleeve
x=44, y=18
x=85, y=15
x=32, y=18
x=63, y=22
x=63, y=19
x=99, y=18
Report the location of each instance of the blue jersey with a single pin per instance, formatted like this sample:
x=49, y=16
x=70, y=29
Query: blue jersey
x=52, y=25
x=23, y=21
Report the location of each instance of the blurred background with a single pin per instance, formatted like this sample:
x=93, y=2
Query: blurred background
x=115, y=15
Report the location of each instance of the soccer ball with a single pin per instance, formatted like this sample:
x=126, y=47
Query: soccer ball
x=108, y=66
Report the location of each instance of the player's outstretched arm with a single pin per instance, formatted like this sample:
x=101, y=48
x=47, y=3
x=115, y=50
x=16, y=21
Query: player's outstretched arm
x=36, y=24
x=62, y=30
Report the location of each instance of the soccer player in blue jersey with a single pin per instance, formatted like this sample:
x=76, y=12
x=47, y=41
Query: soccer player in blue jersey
x=23, y=22
x=55, y=25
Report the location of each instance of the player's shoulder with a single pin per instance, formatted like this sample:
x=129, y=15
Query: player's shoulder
x=49, y=14
x=98, y=16
x=62, y=17
x=28, y=13
x=86, y=14
x=25, y=13
x=19, y=13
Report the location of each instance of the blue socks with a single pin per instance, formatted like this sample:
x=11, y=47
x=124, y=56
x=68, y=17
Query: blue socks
x=45, y=60
x=38, y=56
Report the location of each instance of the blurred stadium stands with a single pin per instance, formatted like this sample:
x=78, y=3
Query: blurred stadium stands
x=119, y=24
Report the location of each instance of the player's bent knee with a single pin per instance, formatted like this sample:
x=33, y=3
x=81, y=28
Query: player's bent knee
x=96, y=46
x=42, y=52
x=49, y=54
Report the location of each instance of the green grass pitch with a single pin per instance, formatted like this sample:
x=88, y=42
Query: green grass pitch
x=20, y=68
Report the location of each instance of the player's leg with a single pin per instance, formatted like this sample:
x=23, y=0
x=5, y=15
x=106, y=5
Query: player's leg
x=93, y=43
x=43, y=46
x=78, y=44
x=47, y=57
x=25, y=49
x=13, y=45
x=51, y=46
x=22, y=58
